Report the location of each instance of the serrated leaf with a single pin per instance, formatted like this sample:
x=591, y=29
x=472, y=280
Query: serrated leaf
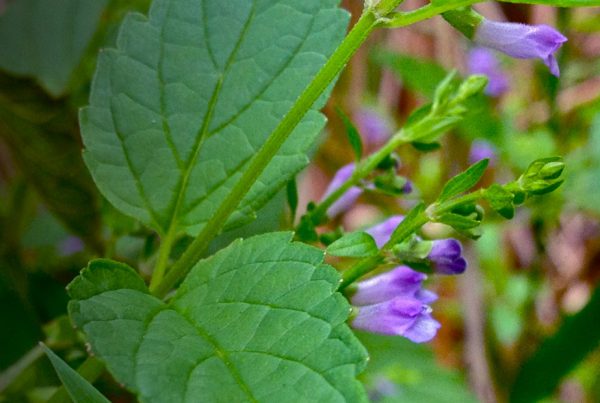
x=463, y=181
x=258, y=321
x=353, y=135
x=46, y=39
x=190, y=94
x=354, y=244
x=80, y=390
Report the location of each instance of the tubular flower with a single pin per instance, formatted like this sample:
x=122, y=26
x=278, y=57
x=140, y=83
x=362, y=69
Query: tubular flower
x=446, y=257
x=394, y=303
x=521, y=41
x=400, y=281
x=348, y=198
x=401, y=316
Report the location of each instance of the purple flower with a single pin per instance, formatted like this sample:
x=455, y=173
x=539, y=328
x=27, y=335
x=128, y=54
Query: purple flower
x=394, y=303
x=349, y=198
x=372, y=126
x=382, y=232
x=483, y=61
x=401, y=316
x=522, y=41
x=481, y=149
x=401, y=281
x=446, y=257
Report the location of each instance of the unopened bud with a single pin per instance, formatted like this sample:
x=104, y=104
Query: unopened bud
x=473, y=85
x=552, y=170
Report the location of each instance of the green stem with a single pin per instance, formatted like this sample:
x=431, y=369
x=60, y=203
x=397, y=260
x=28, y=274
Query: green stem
x=326, y=75
x=164, y=252
x=423, y=13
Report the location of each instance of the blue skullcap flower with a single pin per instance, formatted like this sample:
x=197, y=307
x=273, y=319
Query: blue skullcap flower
x=349, y=198
x=401, y=281
x=400, y=316
x=446, y=257
x=521, y=41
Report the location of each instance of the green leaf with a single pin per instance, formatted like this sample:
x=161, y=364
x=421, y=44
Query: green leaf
x=353, y=135
x=558, y=3
x=46, y=39
x=413, y=221
x=578, y=336
x=354, y=244
x=458, y=222
x=190, y=94
x=80, y=390
x=463, y=181
x=501, y=200
x=258, y=321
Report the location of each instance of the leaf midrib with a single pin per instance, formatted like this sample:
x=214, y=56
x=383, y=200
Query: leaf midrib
x=204, y=129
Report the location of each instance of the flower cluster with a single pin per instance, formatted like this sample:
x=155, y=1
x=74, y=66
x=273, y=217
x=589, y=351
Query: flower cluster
x=394, y=303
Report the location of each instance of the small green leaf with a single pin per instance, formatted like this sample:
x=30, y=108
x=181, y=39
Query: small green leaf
x=190, y=94
x=458, y=222
x=354, y=244
x=46, y=39
x=353, y=135
x=259, y=321
x=463, y=181
x=413, y=220
x=501, y=200
x=80, y=390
